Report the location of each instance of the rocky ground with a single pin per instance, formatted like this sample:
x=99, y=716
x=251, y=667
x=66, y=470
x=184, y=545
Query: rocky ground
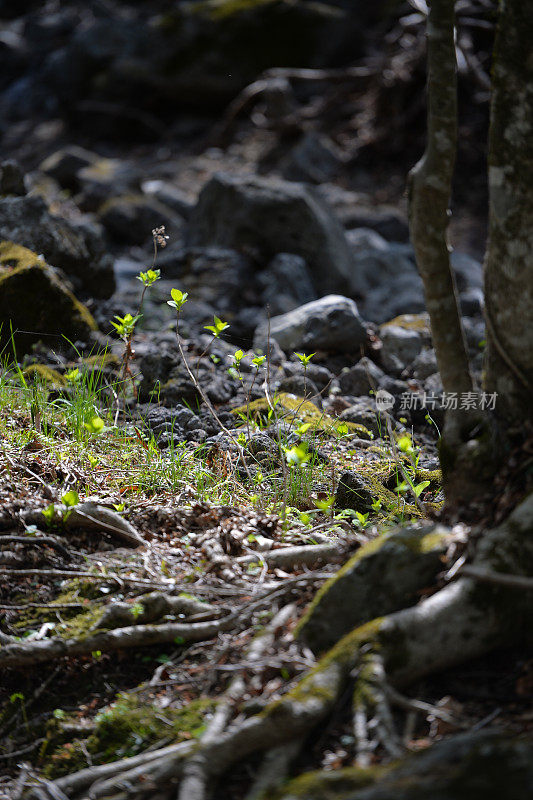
x=172, y=498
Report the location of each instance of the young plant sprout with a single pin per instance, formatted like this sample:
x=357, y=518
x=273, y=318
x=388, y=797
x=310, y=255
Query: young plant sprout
x=125, y=326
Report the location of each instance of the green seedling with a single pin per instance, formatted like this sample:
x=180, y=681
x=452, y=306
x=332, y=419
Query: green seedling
x=297, y=456
x=149, y=277
x=70, y=498
x=304, y=359
x=217, y=328
x=95, y=425
x=125, y=325
x=178, y=299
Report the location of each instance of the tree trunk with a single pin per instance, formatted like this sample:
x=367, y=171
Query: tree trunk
x=509, y=259
x=430, y=188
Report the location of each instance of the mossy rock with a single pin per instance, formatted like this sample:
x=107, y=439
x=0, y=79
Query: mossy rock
x=36, y=304
x=382, y=577
x=126, y=728
x=297, y=410
x=76, y=247
x=105, y=360
x=41, y=373
x=412, y=322
x=335, y=785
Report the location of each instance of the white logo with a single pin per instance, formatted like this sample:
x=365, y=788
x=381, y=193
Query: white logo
x=384, y=400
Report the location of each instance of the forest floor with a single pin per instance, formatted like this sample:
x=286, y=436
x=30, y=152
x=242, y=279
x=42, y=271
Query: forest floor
x=167, y=534
x=213, y=548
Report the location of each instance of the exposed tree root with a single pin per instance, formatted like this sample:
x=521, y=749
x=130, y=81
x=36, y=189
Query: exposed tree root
x=18, y=654
x=303, y=555
x=90, y=517
x=464, y=620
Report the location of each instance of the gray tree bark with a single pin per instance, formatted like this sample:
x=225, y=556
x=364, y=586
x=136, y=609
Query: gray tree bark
x=509, y=259
x=429, y=194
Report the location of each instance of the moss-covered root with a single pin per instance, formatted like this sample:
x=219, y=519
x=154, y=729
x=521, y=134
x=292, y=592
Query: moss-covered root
x=462, y=621
x=455, y=624
x=485, y=764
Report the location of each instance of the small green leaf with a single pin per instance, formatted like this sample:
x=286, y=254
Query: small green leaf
x=95, y=425
x=217, y=328
x=405, y=444
x=323, y=505
x=48, y=513
x=149, y=277
x=419, y=488
x=297, y=456
x=304, y=359
x=73, y=375
x=70, y=498
x=179, y=299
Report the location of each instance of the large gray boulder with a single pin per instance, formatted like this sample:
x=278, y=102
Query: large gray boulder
x=76, y=247
x=400, y=347
x=275, y=216
x=386, y=274
x=332, y=323
x=286, y=283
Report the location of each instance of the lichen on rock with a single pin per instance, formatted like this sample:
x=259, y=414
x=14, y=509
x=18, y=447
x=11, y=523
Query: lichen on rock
x=35, y=302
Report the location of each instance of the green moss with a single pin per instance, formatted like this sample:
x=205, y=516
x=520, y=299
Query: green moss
x=126, y=728
x=220, y=9
x=75, y=622
x=295, y=409
x=32, y=298
x=434, y=476
x=411, y=322
x=329, y=785
x=410, y=539
x=44, y=374
x=15, y=255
